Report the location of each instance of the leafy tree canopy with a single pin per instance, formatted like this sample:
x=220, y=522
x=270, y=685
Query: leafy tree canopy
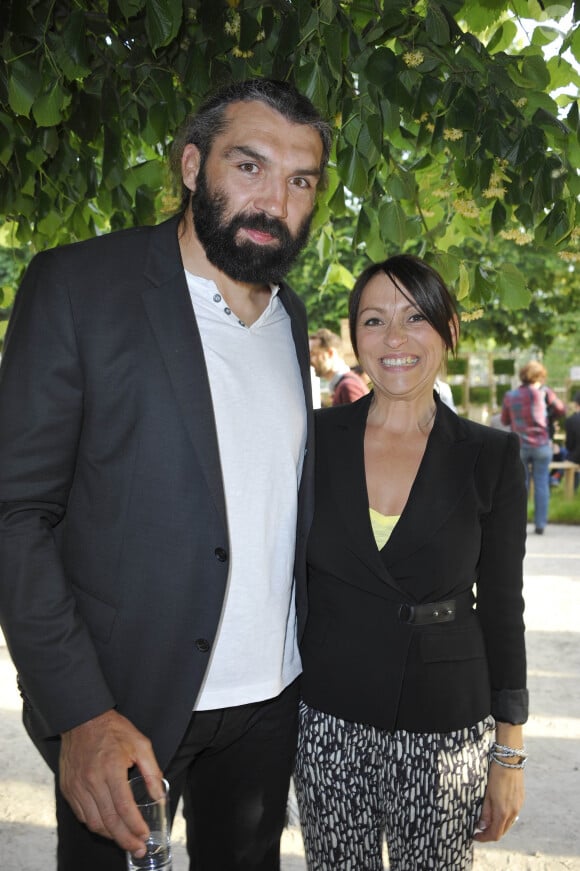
x=457, y=134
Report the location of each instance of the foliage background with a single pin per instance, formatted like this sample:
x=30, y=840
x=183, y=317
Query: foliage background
x=457, y=135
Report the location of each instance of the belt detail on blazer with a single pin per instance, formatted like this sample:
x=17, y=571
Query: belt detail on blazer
x=436, y=612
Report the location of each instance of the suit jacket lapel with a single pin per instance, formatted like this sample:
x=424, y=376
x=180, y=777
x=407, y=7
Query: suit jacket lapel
x=170, y=312
x=348, y=483
x=445, y=472
x=306, y=491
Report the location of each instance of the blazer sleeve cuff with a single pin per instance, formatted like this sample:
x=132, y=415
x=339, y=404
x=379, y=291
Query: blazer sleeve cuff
x=510, y=706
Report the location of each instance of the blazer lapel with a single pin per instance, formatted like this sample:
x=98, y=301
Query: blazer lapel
x=445, y=472
x=348, y=483
x=170, y=312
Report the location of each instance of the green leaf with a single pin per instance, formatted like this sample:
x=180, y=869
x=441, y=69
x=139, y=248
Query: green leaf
x=49, y=223
x=463, y=283
x=352, y=170
x=466, y=172
x=327, y=11
x=351, y=129
x=572, y=41
x=196, y=75
x=324, y=245
x=249, y=29
x=392, y=221
x=145, y=205
x=381, y=65
x=112, y=158
x=366, y=143
x=24, y=83
x=546, y=119
x=6, y=139
x=337, y=203
x=563, y=74
x=533, y=9
x=544, y=35
x=374, y=239
x=555, y=226
x=483, y=289
x=73, y=51
x=163, y=20
x=447, y=265
x=402, y=186
x=312, y=82
x=498, y=217
x=48, y=109
x=503, y=38
x=338, y=274
x=436, y=25
x=512, y=287
x=129, y=8
x=535, y=72
x=149, y=174
x=332, y=37
x=391, y=116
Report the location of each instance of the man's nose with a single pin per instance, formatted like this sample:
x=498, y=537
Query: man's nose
x=273, y=198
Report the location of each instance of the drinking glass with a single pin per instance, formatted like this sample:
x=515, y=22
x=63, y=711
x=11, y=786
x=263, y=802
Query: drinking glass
x=152, y=797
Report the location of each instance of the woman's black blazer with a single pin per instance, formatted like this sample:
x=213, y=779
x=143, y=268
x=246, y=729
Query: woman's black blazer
x=462, y=529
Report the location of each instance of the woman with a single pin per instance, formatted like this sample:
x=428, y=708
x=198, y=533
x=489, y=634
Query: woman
x=530, y=410
x=413, y=698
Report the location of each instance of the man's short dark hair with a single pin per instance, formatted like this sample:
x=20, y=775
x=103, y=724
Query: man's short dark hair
x=210, y=119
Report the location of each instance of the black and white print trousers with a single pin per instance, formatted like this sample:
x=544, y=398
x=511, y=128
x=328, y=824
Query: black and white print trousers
x=357, y=784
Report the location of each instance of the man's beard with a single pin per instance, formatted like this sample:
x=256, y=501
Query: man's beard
x=243, y=261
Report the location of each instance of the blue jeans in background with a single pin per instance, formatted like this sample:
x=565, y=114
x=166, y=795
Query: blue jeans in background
x=539, y=459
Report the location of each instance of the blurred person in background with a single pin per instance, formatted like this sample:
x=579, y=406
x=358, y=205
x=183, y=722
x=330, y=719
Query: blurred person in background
x=572, y=430
x=531, y=411
x=344, y=384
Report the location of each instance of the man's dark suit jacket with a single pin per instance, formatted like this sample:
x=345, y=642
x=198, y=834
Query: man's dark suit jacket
x=464, y=524
x=113, y=531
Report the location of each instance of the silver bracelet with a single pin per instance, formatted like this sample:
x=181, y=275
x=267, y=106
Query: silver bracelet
x=499, y=761
x=508, y=752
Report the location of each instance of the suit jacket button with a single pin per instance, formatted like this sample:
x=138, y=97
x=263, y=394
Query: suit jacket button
x=220, y=554
x=202, y=645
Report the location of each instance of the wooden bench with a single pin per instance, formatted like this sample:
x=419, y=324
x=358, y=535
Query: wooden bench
x=569, y=468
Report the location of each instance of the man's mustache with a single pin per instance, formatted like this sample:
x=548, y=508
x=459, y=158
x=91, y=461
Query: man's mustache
x=263, y=223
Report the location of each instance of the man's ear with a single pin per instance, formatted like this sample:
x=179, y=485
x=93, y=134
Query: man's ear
x=190, y=163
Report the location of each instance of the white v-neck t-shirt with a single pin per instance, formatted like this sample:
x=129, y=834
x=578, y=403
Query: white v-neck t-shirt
x=260, y=416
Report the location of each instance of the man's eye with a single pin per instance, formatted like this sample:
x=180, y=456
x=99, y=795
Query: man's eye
x=249, y=168
x=302, y=183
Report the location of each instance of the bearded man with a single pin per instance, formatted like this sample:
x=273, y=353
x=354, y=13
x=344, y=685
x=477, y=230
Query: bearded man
x=155, y=481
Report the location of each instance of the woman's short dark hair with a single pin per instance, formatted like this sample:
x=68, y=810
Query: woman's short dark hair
x=210, y=119
x=421, y=285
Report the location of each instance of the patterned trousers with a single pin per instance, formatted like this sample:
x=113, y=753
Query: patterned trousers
x=355, y=784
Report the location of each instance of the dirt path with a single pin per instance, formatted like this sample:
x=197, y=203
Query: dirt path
x=547, y=836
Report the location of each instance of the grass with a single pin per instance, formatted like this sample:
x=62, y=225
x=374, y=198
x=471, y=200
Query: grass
x=560, y=510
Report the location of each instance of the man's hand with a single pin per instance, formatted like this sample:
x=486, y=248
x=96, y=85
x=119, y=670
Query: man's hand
x=94, y=760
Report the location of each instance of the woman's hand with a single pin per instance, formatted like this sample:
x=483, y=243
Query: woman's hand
x=505, y=792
